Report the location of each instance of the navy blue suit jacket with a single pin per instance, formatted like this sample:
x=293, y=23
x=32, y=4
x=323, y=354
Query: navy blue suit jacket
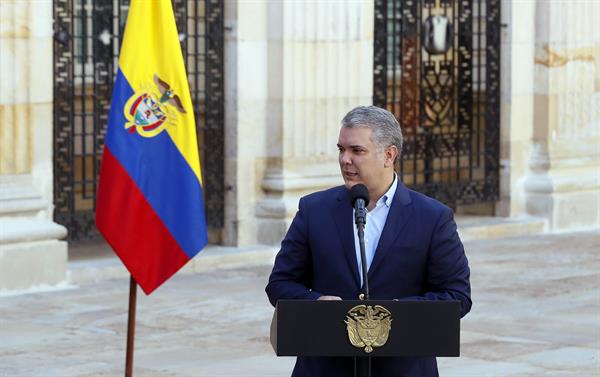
x=419, y=256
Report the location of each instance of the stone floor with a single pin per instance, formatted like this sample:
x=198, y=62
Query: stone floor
x=536, y=313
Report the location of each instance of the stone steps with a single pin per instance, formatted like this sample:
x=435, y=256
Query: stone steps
x=472, y=228
x=96, y=262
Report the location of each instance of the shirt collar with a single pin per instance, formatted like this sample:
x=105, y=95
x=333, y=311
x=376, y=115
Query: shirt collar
x=389, y=194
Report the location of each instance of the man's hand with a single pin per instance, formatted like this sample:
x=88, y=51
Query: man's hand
x=329, y=298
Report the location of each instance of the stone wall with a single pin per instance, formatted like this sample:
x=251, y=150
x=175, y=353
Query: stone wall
x=564, y=183
x=551, y=113
x=30, y=250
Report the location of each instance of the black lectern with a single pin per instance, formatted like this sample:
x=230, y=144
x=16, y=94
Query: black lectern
x=319, y=328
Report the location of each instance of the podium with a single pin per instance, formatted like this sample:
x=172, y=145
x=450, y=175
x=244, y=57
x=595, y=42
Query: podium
x=320, y=328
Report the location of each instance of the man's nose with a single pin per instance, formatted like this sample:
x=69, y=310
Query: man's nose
x=345, y=158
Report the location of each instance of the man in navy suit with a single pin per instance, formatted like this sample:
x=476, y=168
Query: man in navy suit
x=412, y=247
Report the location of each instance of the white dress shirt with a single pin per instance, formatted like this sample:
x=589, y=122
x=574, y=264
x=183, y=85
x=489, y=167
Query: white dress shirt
x=373, y=227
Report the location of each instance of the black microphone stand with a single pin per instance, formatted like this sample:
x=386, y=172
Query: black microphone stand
x=362, y=365
x=363, y=259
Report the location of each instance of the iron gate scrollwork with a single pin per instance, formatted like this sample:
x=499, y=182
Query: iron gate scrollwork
x=87, y=38
x=437, y=68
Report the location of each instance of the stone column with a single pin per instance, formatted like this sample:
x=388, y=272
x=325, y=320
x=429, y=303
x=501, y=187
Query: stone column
x=245, y=103
x=320, y=65
x=516, y=103
x=30, y=250
x=293, y=69
x=563, y=183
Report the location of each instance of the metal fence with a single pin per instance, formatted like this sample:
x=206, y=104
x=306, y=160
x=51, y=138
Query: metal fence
x=437, y=68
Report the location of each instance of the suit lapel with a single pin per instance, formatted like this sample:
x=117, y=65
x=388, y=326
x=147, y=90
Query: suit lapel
x=400, y=212
x=342, y=214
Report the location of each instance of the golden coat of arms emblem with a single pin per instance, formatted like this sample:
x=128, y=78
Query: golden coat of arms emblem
x=368, y=326
x=148, y=112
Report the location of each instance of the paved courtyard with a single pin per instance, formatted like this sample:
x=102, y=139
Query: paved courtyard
x=536, y=312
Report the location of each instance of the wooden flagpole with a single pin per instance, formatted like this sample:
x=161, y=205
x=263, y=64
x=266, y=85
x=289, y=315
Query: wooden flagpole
x=130, y=327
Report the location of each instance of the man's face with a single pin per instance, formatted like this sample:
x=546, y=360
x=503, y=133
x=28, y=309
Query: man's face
x=361, y=161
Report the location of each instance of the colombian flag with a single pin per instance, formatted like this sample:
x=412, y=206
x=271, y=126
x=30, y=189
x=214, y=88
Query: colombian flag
x=149, y=205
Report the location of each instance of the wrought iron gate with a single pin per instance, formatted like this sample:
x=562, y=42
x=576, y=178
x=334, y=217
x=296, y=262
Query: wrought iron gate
x=437, y=68
x=87, y=36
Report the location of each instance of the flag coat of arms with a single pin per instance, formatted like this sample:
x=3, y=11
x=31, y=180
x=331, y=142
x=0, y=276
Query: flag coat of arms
x=149, y=204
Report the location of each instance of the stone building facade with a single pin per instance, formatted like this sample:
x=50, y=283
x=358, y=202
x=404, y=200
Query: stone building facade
x=292, y=70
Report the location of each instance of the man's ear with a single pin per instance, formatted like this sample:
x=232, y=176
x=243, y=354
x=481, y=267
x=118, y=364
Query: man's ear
x=390, y=154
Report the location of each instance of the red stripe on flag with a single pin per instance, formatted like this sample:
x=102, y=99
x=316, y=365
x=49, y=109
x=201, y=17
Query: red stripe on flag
x=133, y=229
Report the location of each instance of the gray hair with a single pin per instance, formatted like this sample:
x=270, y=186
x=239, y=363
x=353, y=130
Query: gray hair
x=385, y=127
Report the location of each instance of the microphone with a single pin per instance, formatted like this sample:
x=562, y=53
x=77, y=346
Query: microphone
x=360, y=200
